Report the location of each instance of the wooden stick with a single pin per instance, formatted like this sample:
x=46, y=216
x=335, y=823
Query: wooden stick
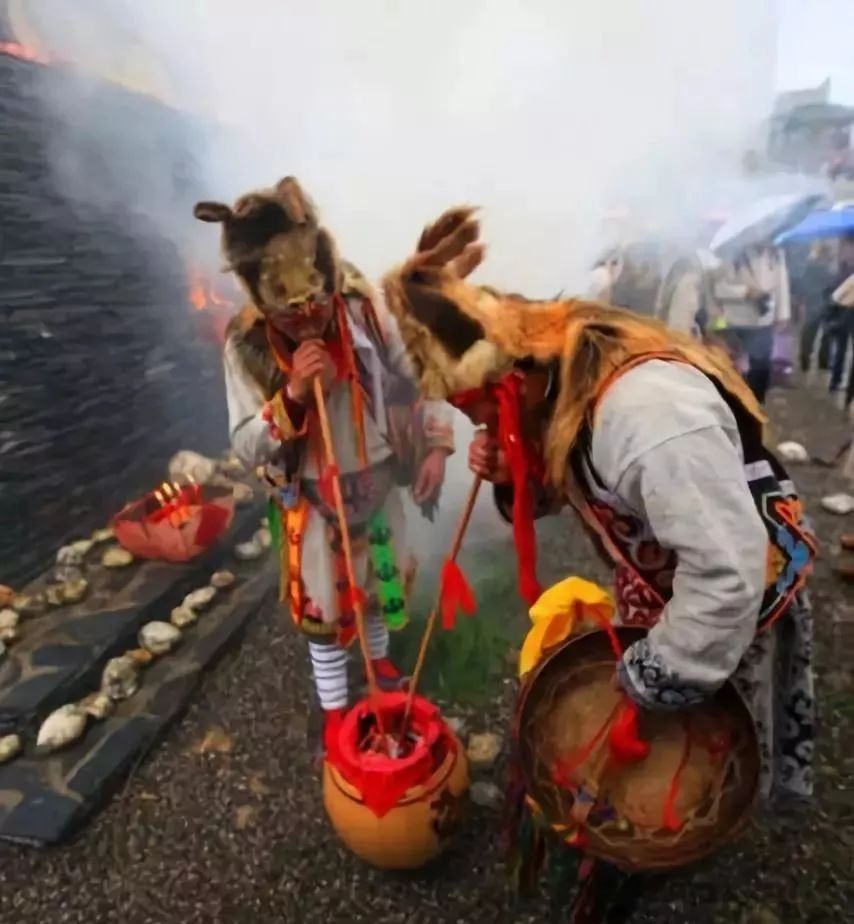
x=462, y=526
x=589, y=787
x=320, y=403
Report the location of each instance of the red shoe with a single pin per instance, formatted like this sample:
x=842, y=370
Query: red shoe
x=389, y=678
x=332, y=720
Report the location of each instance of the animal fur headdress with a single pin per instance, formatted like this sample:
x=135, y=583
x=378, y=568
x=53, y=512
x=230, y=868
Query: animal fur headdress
x=461, y=337
x=247, y=332
x=273, y=242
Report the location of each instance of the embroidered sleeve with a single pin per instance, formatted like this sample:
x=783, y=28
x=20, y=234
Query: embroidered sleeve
x=651, y=683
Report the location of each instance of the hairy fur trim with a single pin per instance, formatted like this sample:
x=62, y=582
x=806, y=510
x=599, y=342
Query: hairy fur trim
x=354, y=282
x=590, y=339
x=439, y=374
x=247, y=335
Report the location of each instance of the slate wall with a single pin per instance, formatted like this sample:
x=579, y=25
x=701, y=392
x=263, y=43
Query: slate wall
x=105, y=370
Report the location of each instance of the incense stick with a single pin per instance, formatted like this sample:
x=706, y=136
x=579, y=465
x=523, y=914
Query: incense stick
x=462, y=526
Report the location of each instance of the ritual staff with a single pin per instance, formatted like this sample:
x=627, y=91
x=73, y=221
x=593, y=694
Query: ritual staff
x=311, y=316
x=656, y=441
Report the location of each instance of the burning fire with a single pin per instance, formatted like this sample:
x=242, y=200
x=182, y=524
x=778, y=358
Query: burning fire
x=174, y=501
x=16, y=50
x=203, y=296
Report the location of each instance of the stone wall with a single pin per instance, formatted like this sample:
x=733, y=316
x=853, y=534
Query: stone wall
x=105, y=370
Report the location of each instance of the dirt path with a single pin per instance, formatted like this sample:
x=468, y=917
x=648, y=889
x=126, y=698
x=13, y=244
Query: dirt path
x=235, y=832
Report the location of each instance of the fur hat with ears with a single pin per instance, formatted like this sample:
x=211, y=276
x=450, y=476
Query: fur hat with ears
x=272, y=241
x=459, y=336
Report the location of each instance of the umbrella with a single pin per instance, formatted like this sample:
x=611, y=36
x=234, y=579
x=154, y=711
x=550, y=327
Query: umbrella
x=761, y=222
x=826, y=223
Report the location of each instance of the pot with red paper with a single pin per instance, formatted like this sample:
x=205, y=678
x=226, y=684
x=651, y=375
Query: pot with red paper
x=394, y=794
x=175, y=522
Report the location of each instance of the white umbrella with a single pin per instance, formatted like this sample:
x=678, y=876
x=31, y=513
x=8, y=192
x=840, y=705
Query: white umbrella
x=761, y=222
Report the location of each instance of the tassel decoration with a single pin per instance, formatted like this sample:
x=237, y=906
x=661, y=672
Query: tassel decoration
x=456, y=593
x=524, y=466
x=626, y=745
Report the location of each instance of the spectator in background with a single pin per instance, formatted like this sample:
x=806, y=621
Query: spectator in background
x=812, y=292
x=842, y=320
x=685, y=300
x=628, y=277
x=753, y=293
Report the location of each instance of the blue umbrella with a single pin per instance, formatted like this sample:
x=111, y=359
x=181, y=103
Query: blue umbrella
x=826, y=223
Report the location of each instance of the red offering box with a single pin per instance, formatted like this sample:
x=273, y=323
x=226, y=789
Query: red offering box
x=175, y=525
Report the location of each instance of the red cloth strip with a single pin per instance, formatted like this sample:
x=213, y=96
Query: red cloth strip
x=524, y=465
x=456, y=594
x=671, y=819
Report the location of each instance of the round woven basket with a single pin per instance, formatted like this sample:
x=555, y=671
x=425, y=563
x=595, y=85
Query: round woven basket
x=691, y=795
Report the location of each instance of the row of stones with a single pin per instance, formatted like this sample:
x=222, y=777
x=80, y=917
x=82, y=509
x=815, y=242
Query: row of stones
x=121, y=676
x=67, y=584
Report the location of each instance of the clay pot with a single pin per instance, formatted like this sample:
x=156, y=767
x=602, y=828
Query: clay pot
x=415, y=830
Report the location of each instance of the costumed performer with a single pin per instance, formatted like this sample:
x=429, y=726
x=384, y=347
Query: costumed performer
x=656, y=442
x=311, y=315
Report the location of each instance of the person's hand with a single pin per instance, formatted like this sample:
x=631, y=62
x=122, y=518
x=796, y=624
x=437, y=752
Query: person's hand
x=311, y=360
x=428, y=483
x=487, y=460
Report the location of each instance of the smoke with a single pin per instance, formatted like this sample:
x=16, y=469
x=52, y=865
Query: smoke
x=553, y=115
x=549, y=114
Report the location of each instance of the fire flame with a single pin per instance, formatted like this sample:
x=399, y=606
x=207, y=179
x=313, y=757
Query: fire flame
x=16, y=50
x=203, y=294
x=175, y=500
x=204, y=297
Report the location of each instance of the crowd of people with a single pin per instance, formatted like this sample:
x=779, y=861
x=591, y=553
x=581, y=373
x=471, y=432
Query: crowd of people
x=648, y=431
x=772, y=308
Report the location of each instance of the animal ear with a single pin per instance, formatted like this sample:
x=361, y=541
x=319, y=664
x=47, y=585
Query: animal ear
x=294, y=201
x=452, y=224
x=212, y=211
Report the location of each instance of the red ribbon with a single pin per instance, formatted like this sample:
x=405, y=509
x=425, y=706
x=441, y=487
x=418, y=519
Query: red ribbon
x=627, y=747
x=524, y=465
x=339, y=356
x=354, y=597
x=456, y=594
x=671, y=819
x=325, y=485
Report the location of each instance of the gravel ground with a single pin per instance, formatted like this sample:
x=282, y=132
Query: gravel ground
x=224, y=821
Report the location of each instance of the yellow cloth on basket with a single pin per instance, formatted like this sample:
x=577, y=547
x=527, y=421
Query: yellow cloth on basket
x=572, y=606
